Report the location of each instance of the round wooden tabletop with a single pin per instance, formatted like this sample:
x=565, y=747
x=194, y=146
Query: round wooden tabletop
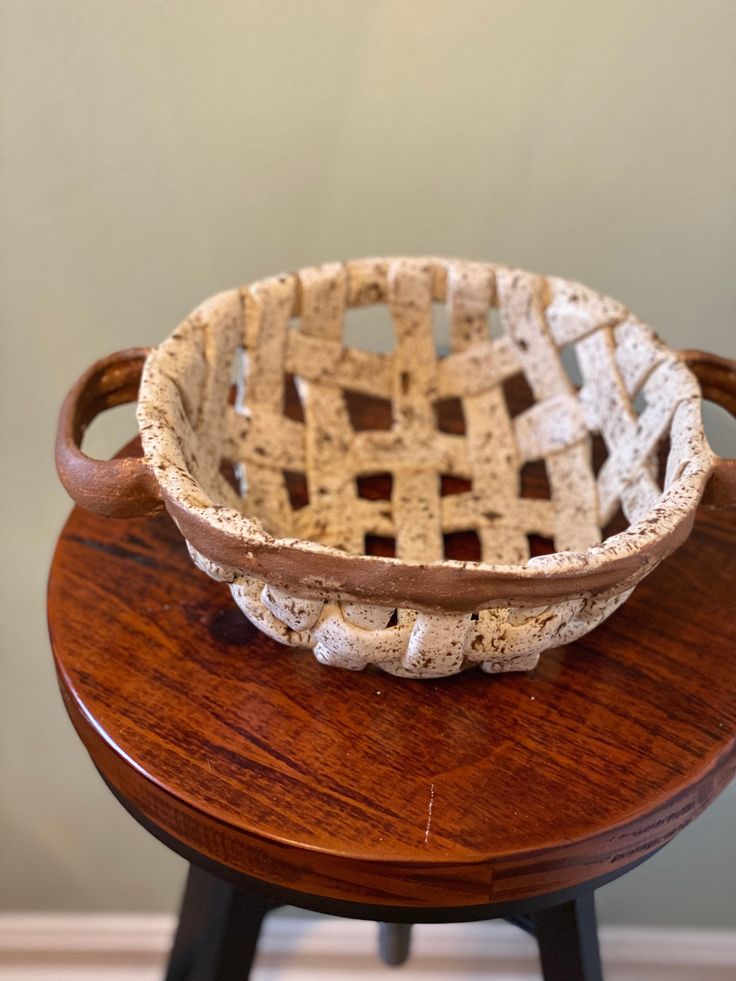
x=456, y=792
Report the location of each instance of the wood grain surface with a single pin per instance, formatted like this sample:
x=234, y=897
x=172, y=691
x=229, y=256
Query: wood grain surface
x=367, y=788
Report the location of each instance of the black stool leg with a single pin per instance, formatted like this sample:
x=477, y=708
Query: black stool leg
x=218, y=930
x=393, y=942
x=568, y=941
x=195, y=904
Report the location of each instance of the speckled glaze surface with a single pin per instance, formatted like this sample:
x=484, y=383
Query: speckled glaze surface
x=300, y=573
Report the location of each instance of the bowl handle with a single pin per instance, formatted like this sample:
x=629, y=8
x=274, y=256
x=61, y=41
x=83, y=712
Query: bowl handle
x=116, y=488
x=717, y=377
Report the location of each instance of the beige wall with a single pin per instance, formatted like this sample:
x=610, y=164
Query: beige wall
x=156, y=152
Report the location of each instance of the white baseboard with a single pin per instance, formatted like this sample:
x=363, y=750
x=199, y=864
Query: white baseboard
x=129, y=947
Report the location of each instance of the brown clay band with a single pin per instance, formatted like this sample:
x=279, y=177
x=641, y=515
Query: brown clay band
x=461, y=588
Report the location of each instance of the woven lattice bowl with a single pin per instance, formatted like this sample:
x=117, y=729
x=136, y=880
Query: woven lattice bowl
x=328, y=484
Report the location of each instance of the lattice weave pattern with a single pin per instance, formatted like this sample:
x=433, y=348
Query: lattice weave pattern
x=293, y=326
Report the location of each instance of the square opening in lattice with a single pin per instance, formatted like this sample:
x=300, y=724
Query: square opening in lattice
x=618, y=523
x=639, y=402
x=462, y=545
x=375, y=486
x=450, y=416
x=598, y=452
x=539, y=545
x=237, y=366
x=369, y=327
x=450, y=484
x=534, y=481
x=367, y=412
x=519, y=396
x=569, y=358
x=441, y=328
x=227, y=470
x=297, y=489
x=663, y=451
x=238, y=369
x=495, y=324
x=293, y=408
x=381, y=545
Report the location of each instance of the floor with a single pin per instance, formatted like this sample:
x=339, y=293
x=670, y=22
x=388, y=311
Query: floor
x=133, y=948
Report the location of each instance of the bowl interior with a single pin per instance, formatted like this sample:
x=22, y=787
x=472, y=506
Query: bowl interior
x=514, y=417
x=534, y=535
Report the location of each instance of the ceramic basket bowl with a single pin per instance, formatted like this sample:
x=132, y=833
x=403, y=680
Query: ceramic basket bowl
x=262, y=432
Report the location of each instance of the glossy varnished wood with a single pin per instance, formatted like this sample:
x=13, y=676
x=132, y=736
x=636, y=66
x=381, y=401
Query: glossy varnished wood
x=366, y=788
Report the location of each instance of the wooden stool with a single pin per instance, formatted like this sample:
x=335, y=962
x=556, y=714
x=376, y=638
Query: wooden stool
x=363, y=795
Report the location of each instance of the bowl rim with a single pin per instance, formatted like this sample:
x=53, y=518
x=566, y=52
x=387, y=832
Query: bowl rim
x=240, y=546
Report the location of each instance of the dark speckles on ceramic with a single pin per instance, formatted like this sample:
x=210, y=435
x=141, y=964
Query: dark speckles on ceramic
x=300, y=573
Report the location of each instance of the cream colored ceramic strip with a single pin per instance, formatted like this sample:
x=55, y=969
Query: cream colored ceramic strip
x=478, y=368
x=622, y=478
x=328, y=361
x=562, y=441
x=222, y=320
x=574, y=311
x=416, y=491
x=489, y=433
x=328, y=433
x=268, y=309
